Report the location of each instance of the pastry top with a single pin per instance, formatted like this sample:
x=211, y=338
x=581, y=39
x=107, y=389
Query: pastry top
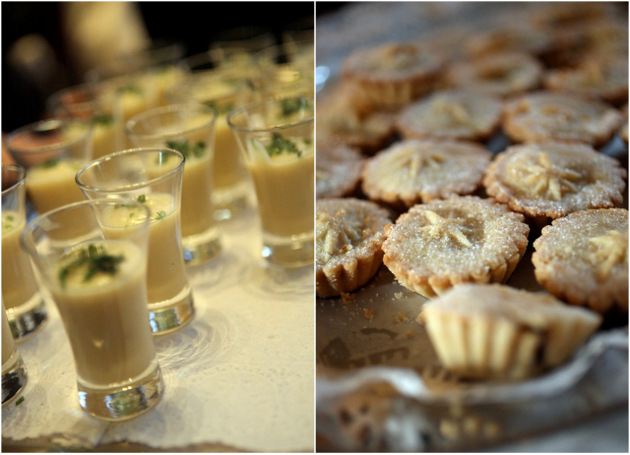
x=554, y=179
x=509, y=39
x=451, y=114
x=454, y=236
x=502, y=74
x=545, y=116
x=603, y=79
x=536, y=311
x=413, y=170
x=393, y=61
x=347, y=227
x=338, y=170
x=583, y=258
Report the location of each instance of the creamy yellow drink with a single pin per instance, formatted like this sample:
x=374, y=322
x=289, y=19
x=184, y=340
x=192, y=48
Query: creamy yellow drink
x=8, y=343
x=52, y=184
x=166, y=273
x=228, y=170
x=18, y=280
x=283, y=176
x=99, y=288
x=103, y=135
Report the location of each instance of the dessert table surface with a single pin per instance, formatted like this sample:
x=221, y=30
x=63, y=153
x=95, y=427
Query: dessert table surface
x=239, y=377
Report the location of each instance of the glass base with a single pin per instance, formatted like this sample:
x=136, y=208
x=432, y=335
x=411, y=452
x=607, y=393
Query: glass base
x=166, y=317
x=25, y=320
x=201, y=248
x=229, y=203
x=295, y=251
x=123, y=402
x=14, y=378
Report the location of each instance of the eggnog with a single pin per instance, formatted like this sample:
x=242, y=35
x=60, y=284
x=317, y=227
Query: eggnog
x=18, y=280
x=283, y=176
x=99, y=288
x=166, y=273
x=52, y=184
x=8, y=343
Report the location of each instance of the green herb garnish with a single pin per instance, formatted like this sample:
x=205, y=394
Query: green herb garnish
x=142, y=198
x=160, y=214
x=279, y=145
x=96, y=259
x=131, y=88
x=220, y=110
x=102, y=119
x=290, y=106
x=50, y=163
x=197, y=150
x=20, y=400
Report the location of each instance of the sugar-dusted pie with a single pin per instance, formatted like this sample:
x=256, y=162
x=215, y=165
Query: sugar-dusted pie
x=509, y=39
x=553, y=179
x=413, y=171
x=437, y=245
x=582, y=258
x=349, y=235
x=340, y=120
x=502, y=75
x=451, y=114
x=597, y=78
x=547, y=116
x=392, y=74
x=338, y=170
x=493, y=331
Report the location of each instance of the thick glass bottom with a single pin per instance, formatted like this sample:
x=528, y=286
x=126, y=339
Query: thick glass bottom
x=14, y=378
x=170, y=315
x=123, y=402
x=25, y=320
x=294, y=251
x=201, y=248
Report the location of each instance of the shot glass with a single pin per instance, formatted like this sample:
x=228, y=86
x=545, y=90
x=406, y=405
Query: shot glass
x=276, y=141
x=14, y=375
x=52, y=151
x=21, y=297
x=189, y=129
x=152, y=177
x=85, y=102
x=223, y=91
x=97, y=278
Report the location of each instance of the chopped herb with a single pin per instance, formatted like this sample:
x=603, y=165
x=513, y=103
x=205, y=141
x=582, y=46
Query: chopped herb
x=220, y=110
x=290, y=106
x=19, y=401
x=132, y=214
x=279, y=145
x=50, y=163
x=160, y=214
x=102, y=119
x=131, y=89
x=197, y=150
x=142, y=198
x=10, y=217
x=96, y=260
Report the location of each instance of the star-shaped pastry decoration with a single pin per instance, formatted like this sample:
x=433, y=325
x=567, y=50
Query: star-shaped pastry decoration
x=610, y=249
x=414, y=162
x=447, y=228
x=337, y=232
x=455, y=111
x=551, y=181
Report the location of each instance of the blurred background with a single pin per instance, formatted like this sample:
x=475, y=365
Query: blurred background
x=47, y=46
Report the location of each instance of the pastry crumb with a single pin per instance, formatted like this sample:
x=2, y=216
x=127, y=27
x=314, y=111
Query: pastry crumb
x=398, y=295
x=368, y=314
x=401, y=317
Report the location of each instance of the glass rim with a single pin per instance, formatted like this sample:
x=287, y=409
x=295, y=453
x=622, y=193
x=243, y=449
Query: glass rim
x=169, y=109
x=30, y=247
x=21, y=175
x=269, y=101
x=53, y=101
x=31, y=127
x=131, y=186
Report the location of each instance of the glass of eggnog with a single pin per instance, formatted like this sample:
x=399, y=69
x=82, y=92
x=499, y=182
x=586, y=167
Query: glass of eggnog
x=96, y=275
x=189, y=129
x=223, y=91
x=14, y=375
x=276, y=141
x=26, y=310
x=152, y=177
x=52, y=151
x=84, y=102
